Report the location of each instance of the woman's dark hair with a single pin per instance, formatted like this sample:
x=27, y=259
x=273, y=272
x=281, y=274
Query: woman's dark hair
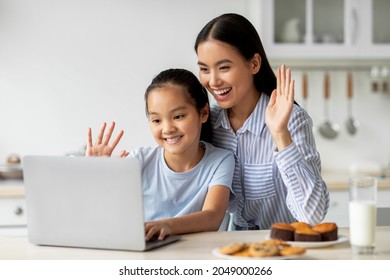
x=197, y=94
x=238, y=32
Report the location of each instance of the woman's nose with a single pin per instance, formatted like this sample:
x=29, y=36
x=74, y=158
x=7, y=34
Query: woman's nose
x=214, y=79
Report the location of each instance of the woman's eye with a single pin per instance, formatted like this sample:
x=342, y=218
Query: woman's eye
x=225, y=67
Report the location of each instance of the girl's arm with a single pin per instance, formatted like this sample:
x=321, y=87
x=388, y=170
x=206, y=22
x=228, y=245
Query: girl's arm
x=209, y=219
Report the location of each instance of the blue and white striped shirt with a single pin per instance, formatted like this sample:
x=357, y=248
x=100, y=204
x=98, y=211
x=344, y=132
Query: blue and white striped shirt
x=272, y=186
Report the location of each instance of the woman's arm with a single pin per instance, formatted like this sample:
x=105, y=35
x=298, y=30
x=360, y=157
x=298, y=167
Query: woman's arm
x=300, y=168
x=209, y=219
x=280, y=107
x=297, y=157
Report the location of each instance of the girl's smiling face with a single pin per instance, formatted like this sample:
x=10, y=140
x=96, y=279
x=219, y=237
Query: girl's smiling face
x=174, y=120
x=226, y=74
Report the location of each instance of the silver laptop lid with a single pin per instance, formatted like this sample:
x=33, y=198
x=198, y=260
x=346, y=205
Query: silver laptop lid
x=93, y=202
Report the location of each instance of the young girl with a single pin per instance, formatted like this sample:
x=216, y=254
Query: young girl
x=186, y=182
x=277, y=172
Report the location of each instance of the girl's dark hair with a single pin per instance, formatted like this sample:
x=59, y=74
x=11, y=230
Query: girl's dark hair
x=238, y=32
x=196, y=93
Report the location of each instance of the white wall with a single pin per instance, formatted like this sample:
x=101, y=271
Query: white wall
x=66, y=65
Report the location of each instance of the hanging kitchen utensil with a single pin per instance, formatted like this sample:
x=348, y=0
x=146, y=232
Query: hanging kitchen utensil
x=328, y=129
x=352, y=124
x=304, y=90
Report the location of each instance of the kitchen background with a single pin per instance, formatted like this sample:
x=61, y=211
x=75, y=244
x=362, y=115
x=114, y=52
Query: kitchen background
x=69, y=65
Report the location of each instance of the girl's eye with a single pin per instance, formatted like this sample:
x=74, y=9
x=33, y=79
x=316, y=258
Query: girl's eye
x=203, y=69
x=155, y=120
x=177, y=117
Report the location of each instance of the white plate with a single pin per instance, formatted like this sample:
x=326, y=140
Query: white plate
x=319, y=244
x=217, y=253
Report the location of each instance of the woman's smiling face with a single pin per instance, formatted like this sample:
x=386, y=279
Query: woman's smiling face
x=226, y=74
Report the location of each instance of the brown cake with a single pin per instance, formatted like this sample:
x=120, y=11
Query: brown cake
x=306, y=234
x=328, y=231
x=298, y=225
x=282, y=231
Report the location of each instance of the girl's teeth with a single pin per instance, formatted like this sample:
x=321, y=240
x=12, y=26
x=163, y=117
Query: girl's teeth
x=173, y=140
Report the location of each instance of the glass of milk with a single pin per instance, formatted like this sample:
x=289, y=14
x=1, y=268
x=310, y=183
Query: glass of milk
x=362, y=214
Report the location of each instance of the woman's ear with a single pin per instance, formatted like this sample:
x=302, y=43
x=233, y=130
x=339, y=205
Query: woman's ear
x=256, y=63
x=204, y=113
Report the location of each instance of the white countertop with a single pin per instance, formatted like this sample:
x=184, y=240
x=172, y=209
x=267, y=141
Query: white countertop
x=338, y=180
x=191, y=247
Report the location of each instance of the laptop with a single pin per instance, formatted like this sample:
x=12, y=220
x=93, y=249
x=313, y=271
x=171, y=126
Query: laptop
x=87, y=202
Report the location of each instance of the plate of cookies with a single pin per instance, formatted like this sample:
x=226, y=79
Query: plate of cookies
x=307, y=236
x=271, y=249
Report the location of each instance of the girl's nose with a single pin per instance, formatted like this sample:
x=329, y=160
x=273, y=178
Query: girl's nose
x=168, y=127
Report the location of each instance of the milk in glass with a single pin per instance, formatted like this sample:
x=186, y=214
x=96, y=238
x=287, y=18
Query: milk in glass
x=362, y=214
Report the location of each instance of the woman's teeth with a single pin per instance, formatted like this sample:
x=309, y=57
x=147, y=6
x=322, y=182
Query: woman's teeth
x=222, y=91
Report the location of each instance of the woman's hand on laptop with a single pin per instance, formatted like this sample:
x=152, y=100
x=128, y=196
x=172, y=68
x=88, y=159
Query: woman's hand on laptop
x=102, y=147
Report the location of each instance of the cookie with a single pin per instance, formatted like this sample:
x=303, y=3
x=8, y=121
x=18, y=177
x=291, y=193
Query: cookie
x=288, y=251
x=243, y=253
x=233, y=248
x=263, y=250
x=276, y=242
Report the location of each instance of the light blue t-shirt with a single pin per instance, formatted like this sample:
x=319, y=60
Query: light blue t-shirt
x=170, y=194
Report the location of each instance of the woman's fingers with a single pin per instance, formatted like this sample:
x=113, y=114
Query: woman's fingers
x=282, y=79
x=284, y=84
x=278, y=82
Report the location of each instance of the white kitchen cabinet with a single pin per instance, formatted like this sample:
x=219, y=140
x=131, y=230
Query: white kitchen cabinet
x=12, y=204
x=13, y=212
x=332, y=29
x=338, y=208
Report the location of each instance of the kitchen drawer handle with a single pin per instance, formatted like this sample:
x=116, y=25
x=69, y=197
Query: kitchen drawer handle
x=19, y=211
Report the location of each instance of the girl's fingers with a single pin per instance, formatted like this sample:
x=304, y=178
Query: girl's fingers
x=108, y=136
x=89, y=138
x=117, y=139
x=101, y=133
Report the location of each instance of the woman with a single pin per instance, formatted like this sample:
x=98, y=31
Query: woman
x=277, y=173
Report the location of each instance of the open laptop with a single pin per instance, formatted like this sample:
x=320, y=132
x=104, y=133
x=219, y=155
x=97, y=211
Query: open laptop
x=91, y=202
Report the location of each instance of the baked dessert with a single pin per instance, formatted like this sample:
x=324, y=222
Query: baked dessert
x=328, y=231
x=233, y=248
x=288, y=251
x=306, y=234
x=282, y=231
x=263, y=250
x=298, y=225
